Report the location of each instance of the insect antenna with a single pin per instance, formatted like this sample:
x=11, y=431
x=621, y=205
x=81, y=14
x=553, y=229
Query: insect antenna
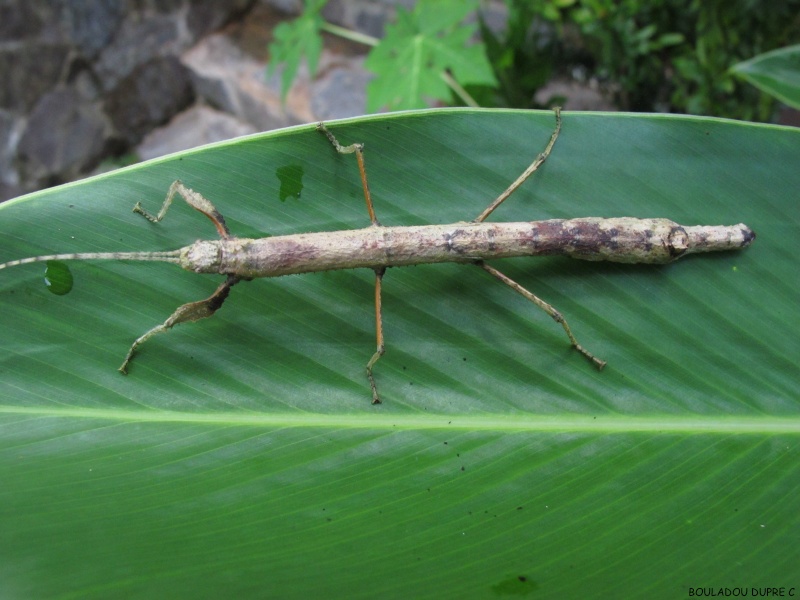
x=170, y=256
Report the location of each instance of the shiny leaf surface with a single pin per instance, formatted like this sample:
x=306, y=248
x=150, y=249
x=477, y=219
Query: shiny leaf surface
x=241, y=455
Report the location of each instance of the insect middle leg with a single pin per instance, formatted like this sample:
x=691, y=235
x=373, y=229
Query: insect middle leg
x=548, y=308
x=526, y=173
x=193, y=311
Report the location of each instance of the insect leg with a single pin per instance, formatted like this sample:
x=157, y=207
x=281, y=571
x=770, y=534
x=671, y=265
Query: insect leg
x=192, y=311
x=193, y=199
x=549, y=309
x=379, y=335
x=359, y=151
x=527, y=173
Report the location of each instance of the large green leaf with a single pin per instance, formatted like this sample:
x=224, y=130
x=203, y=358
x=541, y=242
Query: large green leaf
x=241, y=456
x=777, y=73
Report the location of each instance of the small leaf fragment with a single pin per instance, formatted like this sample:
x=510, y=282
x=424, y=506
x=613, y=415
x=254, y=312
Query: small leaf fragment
x=777, y=73
x=294, y=40
x=58, y=277
x=418, y=49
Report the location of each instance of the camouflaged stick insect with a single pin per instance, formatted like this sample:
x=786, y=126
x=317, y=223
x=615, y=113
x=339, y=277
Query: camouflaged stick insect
x=624, y=239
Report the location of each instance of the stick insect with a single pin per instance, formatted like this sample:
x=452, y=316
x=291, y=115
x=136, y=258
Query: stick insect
x=376, y=247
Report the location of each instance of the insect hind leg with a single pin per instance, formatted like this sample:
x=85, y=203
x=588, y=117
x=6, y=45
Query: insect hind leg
x=548, y=308
x=193, y=311
x=378, y=334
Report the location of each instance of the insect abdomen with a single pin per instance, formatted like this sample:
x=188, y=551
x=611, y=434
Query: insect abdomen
x=624, y=239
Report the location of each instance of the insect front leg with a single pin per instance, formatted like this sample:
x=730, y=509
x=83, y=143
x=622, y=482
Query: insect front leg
x=193, y=199
x=193, y=311
x=548, y=308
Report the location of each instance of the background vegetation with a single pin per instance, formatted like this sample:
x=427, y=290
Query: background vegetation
x=653, y=55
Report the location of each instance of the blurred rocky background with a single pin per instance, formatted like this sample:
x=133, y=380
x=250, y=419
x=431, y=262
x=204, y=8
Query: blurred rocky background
x=90, y=85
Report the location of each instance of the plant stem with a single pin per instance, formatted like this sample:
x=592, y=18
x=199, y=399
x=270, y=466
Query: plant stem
x=460, y=91
x=349, y=34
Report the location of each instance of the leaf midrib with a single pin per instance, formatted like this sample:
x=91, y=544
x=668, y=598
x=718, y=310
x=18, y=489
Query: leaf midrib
x=512, y=423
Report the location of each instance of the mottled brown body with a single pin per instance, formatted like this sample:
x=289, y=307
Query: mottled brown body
x=625, y=240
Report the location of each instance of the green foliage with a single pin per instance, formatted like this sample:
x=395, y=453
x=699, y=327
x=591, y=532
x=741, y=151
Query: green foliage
x=411, y=64
x=624, y=44
x=241, y=456
x=776, y=73
x=651, y=55
x=522, y=65
x=662, y=55
x=722, y=33
x=294, y=40
x=419, y=47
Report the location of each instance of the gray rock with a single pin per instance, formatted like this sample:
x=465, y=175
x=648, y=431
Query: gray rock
x=64, y=137
x=162, y=6
x=138, y=42
x=287, y=7
x=18, y=20
x=28, y=71
x=197, y=126
x=206, y=16
x=81, y=78
x=91, y=25
x=151, y=95
x=578, y=96
x=340, y=92
x=10, y=132
x=228, y=79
